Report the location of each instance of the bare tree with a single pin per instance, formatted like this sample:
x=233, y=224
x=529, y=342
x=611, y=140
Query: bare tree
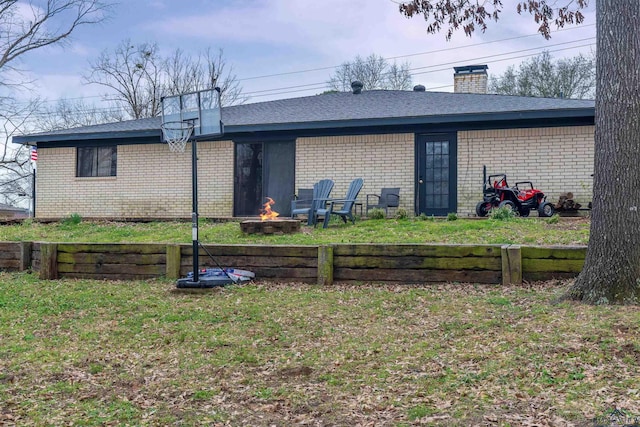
x=137, y=77
x=30, y=25
x=541, y=76
x=25, y=26
x=374, y=72
x=207, y=70
x=67, y=114
x=15, y=161
x=398, y=76
x=611, y=272
x=133, y=75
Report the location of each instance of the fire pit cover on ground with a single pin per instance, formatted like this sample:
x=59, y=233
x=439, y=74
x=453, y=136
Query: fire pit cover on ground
x=279, y=226
x=214, y=277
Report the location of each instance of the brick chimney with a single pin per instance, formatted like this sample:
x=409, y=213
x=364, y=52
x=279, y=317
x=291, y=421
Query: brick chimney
x=470, y=79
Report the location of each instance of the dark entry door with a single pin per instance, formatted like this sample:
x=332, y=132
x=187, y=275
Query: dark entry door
x=264, y=169
x=436, y=174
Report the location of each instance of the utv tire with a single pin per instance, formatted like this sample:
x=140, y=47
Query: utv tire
x=546, y=210
x=509, y=204
x=481, y=209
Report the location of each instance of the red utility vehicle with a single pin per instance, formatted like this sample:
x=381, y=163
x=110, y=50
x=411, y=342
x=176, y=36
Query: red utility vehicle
x=522, y=198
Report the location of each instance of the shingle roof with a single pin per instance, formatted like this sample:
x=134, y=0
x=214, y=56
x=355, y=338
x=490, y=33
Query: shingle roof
x=344, y=109
x=382, y=104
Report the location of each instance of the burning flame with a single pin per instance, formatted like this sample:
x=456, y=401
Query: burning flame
x=267, y=213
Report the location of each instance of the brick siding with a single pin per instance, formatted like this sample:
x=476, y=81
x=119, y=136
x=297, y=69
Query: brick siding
x=150, y=182
x=153, y=182
x=556, y=160
x=380, y=160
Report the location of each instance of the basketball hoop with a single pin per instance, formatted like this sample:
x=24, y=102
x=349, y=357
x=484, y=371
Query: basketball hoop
x=197, y=115
x=176, y=134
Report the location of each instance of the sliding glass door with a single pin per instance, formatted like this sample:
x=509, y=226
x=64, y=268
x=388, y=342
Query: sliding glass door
x=264, y=169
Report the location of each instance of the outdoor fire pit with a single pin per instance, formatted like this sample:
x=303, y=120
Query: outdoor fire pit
x=269, y=223
x=275, y=226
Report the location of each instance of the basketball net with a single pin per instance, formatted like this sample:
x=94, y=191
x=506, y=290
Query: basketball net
x=176, y=134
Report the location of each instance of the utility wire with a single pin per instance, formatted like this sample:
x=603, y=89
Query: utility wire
x=324, y=85
x=430, y=52
x=508, y=53
x=413, y=71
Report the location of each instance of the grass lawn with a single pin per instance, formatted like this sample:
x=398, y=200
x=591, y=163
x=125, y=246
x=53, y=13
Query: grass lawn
x=143, y=353
x=531, y=231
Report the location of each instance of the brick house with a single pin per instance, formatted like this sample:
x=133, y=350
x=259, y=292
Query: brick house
x=430, y=144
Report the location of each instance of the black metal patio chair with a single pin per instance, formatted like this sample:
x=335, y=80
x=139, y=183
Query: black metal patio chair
x=388, y=198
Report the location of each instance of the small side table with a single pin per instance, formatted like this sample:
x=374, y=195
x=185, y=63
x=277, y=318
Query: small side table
x=357, y=205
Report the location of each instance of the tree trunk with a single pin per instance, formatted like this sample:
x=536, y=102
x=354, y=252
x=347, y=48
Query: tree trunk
x=611, y=273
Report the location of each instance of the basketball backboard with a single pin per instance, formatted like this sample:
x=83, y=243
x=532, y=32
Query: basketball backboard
x=202, y=108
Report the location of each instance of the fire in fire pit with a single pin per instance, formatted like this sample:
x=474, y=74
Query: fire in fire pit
x=270, y=223
x=268, y=214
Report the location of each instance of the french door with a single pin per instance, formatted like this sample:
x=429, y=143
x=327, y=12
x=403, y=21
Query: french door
x=436, y=174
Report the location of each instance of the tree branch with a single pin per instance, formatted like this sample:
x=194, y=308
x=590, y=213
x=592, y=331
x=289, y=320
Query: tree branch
x=471, y=15
x=48, y=25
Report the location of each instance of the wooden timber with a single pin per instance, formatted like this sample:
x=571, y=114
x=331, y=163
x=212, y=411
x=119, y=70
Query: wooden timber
x=552, y=262
x=112, y=261
x=254, y=250
x=415, y=276
x=427, y=250
x=399, y=263
x=325, y=265
x=113, y=248
x=173, y=261
x=48, y=261
x=511, y=265
x=277, y=226
x=10, y=256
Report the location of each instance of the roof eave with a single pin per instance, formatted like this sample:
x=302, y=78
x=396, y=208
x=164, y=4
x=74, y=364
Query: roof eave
x=34, y=139
x=417, y=120
x=575, y=113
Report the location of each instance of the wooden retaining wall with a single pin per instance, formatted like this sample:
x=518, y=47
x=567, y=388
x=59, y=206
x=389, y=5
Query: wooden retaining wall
x=418, y=263
x=290, y=263
x=113, y=261
x=555, y=262
x=400, y=263
x=15, y=256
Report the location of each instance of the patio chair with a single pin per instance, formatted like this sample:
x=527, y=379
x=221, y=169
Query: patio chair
x=321, y=191
x=302, y=200
x=345, y=205
x=388, y=198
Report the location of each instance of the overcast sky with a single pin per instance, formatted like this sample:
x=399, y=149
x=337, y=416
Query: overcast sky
x=283, y=38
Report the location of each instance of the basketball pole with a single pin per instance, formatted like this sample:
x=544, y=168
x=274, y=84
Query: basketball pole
x=194, y=210
x=194, y=205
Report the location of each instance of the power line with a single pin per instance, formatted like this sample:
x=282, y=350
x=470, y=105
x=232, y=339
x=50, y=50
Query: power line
x=509, y=53
x=413, y=71
x=288, y=87
x=431, y=52
x=324, y=85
